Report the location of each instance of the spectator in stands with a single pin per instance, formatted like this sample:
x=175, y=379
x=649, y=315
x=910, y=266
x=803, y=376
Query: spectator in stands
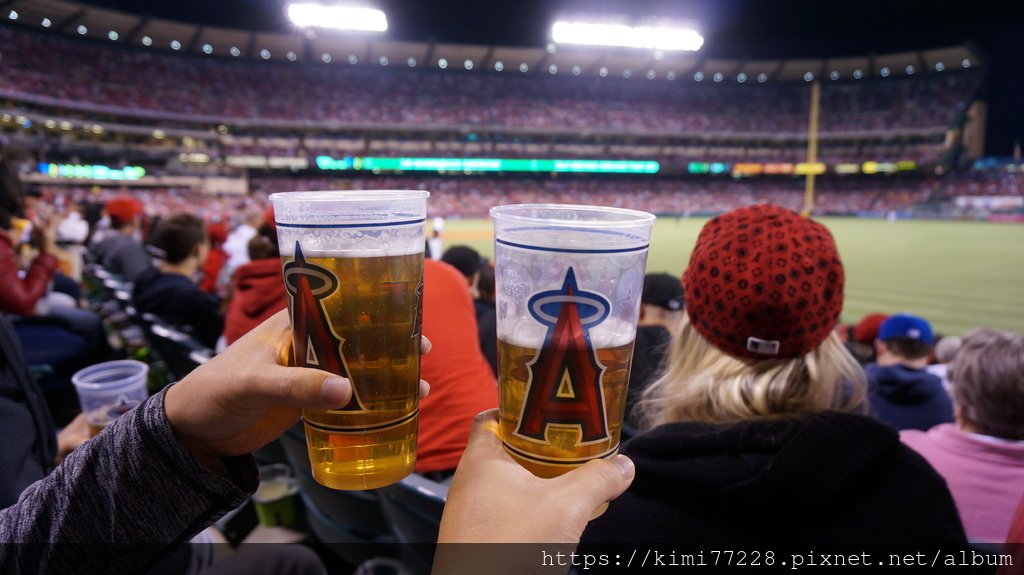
x=237, y=243
x=755, y=433
x=169, y=291
x=862, y=345
x=470, y=265
x=461, y=384
x=902, y=392
x=981, y=456
x=120, y=252
x=945, y=350
x=18, y=295
x=60, y=340
x=487, y=316
x=258, y=286
x=661, y=314
x=213, y=265
x=467, y=261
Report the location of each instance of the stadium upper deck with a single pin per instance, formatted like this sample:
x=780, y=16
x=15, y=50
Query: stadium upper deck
x=84, y=76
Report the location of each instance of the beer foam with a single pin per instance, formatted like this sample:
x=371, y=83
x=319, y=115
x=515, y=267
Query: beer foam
x=352, y=242
x=528, y=332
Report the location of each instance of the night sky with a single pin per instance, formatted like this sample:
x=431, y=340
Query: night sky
x=731, y=29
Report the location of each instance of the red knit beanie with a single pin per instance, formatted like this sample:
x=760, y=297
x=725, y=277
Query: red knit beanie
x=764, y=283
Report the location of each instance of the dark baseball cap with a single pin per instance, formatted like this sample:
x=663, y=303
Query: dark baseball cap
x=463, y=258
x=664, y=291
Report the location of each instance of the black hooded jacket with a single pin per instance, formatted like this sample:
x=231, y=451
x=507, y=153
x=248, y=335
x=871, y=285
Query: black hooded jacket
x=180, y=302
x=28, y=439
x=815, y=479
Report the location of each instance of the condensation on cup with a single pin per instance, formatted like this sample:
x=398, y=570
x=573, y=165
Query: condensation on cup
x=353, y=271
x=568, y=286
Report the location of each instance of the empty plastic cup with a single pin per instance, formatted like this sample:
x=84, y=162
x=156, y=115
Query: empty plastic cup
x=108, y=390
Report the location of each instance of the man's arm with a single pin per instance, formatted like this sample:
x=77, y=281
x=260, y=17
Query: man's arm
x=120, y=501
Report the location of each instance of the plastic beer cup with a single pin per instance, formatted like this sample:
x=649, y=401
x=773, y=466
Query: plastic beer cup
x=353, y=271
x=568, y=286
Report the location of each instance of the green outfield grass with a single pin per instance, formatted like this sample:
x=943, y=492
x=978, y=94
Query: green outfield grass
x=959, y=275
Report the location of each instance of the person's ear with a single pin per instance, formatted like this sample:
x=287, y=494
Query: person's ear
x=880, y=347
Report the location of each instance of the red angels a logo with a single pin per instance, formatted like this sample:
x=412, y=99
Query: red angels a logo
x=564, y=385
x=315, y=342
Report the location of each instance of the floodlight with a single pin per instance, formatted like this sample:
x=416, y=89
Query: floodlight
x=653, y=37
x=338, y=17
x=46, y=23
x=13, y=15
x=940, y=66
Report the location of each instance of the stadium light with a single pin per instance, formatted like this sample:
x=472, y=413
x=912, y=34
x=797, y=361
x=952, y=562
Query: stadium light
x=499, y=66
x=940, y=66
x=652, y=37
x=83, y=30
x=325, y=58
x=338, y=17
x=147, y=41
x=46, y=23
x=13, y=15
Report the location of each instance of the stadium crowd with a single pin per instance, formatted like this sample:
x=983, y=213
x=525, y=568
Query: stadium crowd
x=118, y=80
x=473, y=197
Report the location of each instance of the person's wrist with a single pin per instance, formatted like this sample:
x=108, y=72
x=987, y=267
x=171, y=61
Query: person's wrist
x=196, y=448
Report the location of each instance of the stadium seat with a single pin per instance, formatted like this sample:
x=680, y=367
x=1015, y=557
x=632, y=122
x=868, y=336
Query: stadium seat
x=413, y=509
x=179, y=351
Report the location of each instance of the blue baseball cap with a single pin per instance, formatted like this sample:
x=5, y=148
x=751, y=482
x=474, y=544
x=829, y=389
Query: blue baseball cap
x=906, y=325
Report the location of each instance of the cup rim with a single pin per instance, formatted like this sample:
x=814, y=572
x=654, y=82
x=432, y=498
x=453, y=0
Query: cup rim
x=633, y=219
x=348, y=195
x=143, y=372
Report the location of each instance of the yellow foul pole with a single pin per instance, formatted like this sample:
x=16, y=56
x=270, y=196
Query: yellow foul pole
x=812, y=146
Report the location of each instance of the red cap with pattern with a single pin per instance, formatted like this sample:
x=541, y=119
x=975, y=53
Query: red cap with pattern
x=765, y=283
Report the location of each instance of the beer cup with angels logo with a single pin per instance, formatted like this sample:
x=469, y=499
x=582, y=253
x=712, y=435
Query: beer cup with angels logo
x=353, y=272
x=568, y=286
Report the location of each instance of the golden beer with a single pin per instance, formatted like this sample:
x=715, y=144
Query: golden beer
x=360, y=317
x=563, y=446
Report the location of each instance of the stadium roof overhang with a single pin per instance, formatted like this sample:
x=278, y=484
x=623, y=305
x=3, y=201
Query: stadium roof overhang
x=77, y=19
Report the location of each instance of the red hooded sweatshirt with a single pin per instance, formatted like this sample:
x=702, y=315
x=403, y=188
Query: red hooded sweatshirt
x=258, y=294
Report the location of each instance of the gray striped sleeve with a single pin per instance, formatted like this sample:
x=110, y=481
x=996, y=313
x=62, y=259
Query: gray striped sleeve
x=119, y=502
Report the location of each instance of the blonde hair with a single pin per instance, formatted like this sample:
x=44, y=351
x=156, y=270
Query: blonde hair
x=704, y=384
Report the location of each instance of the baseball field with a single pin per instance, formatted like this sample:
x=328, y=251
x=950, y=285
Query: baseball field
x=958, y=275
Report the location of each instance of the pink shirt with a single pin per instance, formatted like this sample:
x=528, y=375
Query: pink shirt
x=984, y=474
